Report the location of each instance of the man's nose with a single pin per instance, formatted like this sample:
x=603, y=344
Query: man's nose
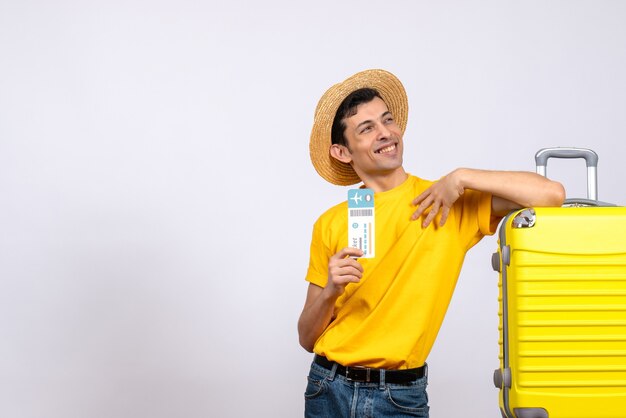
x=383, y=131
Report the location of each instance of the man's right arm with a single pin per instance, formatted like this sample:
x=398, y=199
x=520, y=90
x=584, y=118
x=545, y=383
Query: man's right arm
x=320, y=301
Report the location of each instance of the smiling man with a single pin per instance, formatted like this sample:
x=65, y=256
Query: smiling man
x=371, y=322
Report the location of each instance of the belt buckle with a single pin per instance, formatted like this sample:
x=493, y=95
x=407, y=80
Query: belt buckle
x=353, y=371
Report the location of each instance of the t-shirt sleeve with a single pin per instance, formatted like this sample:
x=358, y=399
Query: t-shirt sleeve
x=477, y=219
x=317, y=272
x=487, y=221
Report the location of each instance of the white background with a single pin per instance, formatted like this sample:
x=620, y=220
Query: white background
x=157, y=197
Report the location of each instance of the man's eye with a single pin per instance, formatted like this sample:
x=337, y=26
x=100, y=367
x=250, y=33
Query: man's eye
x=389, y=119
x=366, y=129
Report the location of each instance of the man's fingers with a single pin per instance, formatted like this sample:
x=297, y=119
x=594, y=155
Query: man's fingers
x=422, y=208
x=348, y=252
x=421, y=197
x=444, y=215
x=342, y=269
x=348, y=270
x=348, y=278
x=431, y=215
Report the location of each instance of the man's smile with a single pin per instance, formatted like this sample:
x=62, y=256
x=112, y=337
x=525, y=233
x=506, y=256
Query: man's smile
x=388, y=148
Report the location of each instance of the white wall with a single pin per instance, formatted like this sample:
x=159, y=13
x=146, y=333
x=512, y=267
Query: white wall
x=158, y=199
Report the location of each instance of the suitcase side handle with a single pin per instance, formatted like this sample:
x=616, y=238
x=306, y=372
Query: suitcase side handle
x=591, y=158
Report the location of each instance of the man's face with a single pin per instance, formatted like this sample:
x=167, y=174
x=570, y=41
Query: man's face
x=374, y=140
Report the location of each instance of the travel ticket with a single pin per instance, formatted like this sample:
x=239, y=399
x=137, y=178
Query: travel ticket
x=361, y=227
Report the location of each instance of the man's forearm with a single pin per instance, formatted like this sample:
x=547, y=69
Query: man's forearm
x=517, y=188
x=315, y=317
x=319, y=306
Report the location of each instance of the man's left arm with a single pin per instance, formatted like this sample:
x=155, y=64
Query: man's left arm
x=510, y=190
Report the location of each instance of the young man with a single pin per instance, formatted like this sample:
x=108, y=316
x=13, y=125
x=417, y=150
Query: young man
x=371, y=322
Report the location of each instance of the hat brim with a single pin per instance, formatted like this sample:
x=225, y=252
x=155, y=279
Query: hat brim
x=393, y=94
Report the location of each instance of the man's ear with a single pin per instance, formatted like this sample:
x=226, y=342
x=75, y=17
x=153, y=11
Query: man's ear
x=341, y=153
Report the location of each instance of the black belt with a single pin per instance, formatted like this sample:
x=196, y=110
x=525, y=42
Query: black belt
x=366, y=374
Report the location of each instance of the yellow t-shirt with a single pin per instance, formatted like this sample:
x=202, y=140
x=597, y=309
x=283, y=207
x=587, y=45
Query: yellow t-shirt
x=391, y=318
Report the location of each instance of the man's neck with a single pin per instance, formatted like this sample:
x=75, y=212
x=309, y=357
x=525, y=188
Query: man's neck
x=386, y=182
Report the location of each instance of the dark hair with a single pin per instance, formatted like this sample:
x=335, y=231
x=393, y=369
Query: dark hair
x=348, y=108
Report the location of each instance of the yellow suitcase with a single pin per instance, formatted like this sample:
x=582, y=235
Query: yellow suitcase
x=563, y=306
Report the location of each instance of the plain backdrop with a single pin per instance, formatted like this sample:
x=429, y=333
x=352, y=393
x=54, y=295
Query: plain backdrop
x=157, y=197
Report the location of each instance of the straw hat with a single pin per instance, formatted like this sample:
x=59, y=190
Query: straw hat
x=392, y=93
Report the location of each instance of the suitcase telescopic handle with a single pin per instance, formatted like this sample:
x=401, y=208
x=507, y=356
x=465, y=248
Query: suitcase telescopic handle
x=542, y=156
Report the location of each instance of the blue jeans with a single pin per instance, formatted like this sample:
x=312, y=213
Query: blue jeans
x=332, y=396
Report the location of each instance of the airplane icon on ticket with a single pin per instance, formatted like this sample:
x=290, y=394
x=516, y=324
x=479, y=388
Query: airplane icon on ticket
x=357, y=198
